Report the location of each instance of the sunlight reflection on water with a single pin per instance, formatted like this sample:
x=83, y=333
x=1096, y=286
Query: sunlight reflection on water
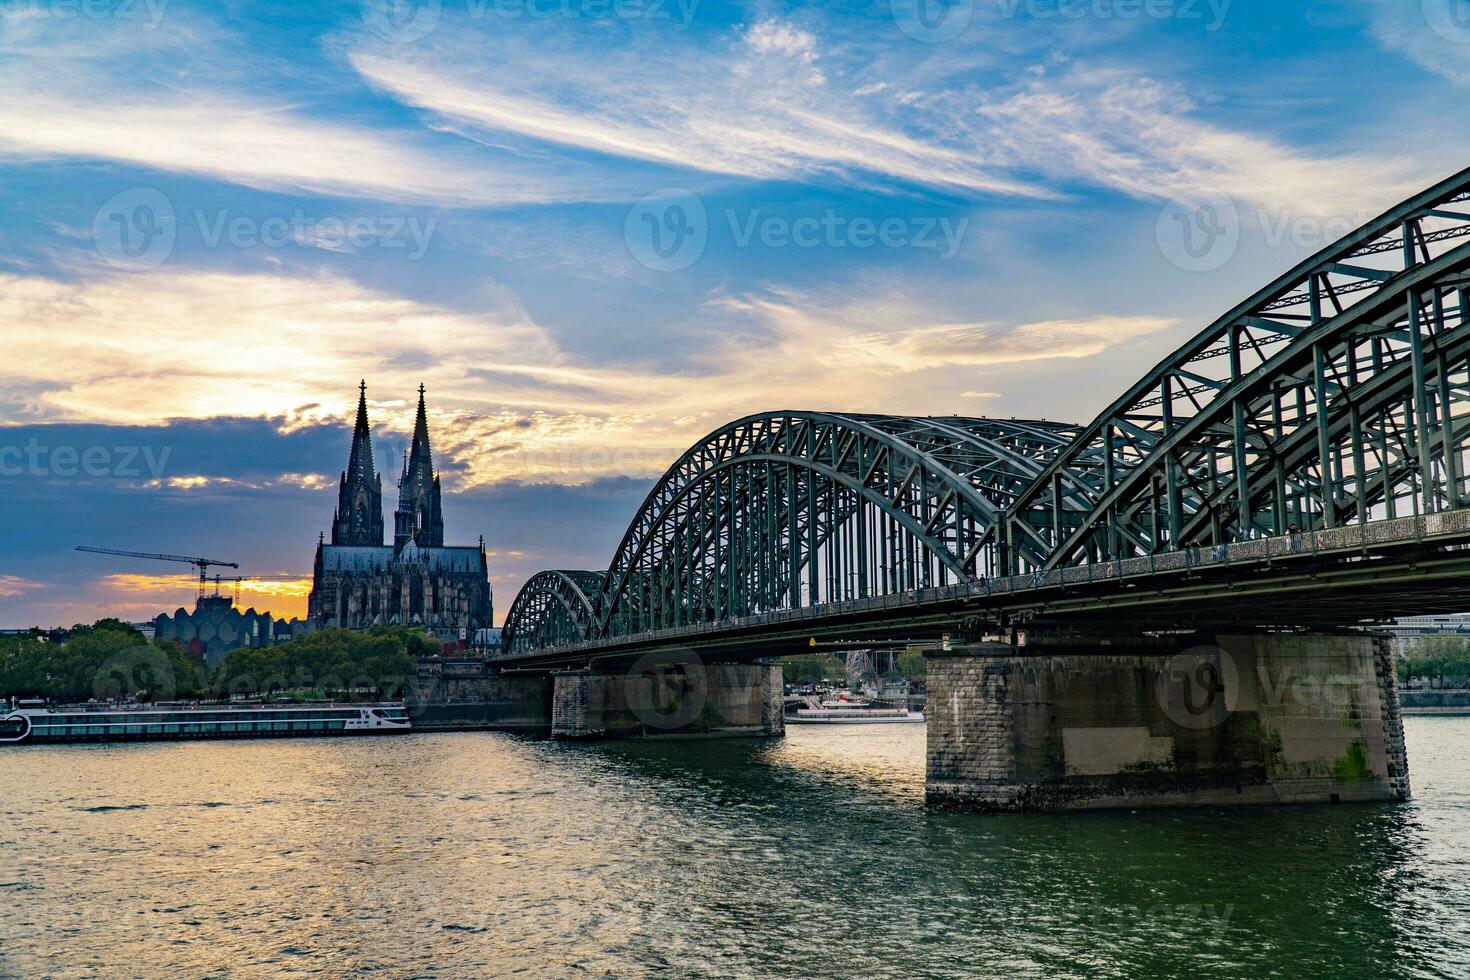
x=479, y=855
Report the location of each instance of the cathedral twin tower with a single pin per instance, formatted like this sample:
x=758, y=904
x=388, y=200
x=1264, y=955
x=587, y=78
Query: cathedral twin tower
x=358, y=581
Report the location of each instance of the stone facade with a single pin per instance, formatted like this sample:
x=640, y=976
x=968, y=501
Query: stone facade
x=358, y=581
x=1243, y=719
x=470, y=694
x=668, y=700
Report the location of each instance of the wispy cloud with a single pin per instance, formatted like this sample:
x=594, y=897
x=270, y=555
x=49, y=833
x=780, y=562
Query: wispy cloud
x=759, y=106
x=512, y=405
x=91, y=89
x=14, y=585
x=1431, y=33
x=1145, y=138
x=776, y=100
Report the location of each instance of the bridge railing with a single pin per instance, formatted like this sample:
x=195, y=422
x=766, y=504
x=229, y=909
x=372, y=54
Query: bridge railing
x=1449, y=527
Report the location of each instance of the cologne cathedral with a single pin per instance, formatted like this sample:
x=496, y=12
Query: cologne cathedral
x=359, y=581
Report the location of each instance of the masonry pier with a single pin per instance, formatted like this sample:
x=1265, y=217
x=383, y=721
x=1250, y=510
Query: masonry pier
x=655, y=698
x=1071, y=723
x=454, y=694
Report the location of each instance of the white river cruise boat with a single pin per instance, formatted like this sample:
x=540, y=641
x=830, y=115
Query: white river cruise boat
x=855, y=716
x=107, y=723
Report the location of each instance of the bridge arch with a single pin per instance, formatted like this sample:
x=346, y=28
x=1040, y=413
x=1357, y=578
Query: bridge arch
x=554, y=608
x=1338, y=393
x=1061, y=518
x=785, y=509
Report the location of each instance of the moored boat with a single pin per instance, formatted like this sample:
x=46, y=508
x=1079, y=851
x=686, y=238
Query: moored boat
x=854, y=716
x=106, y=723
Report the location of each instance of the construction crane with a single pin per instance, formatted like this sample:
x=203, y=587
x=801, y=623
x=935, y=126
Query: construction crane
x=201, y=563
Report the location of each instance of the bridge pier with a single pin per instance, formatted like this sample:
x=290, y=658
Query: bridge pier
x=1268, y=718
x=657, y=698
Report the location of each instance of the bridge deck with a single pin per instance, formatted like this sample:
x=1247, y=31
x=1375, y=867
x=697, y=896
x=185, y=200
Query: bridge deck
x=1336, y=577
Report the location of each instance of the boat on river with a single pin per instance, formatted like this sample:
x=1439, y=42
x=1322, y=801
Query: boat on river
x=854, y=716
x=107, y=723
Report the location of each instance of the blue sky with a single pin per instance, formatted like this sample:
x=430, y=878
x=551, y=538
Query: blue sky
x=216, y=218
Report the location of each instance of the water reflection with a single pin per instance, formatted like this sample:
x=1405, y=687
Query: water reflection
x=482, y=855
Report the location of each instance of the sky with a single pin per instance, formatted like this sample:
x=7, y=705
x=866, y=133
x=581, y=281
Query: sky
x=597, y=230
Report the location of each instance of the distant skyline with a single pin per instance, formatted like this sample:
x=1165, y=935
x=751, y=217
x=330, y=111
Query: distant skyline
x=597, y=229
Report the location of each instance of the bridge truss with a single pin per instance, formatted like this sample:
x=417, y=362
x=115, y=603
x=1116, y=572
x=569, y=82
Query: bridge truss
x=1335, y=396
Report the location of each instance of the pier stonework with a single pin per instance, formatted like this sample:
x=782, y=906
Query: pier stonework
x=673, y=699
x=471, y=694
x=1269, y=718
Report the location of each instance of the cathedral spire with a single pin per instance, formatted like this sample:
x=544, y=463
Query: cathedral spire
x=420, y=454
x=359, y=517
x=361, y=460
x=420, y=517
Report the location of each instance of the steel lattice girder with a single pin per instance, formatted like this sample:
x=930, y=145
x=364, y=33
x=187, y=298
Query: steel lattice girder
x=790, y=508
x=1362, y=403
x=552, y=609
x=1336, y=393
x=1048, y=515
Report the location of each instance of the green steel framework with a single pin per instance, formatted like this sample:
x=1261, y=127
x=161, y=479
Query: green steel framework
x=1334, y=396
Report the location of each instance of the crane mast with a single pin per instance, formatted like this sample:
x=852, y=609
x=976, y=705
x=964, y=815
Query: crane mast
x=200, y=563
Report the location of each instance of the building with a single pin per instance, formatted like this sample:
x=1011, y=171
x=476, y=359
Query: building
x=214, y=628
x=359, y=581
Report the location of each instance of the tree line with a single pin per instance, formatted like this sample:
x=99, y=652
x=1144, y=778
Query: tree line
x=112, y=660
x=1446, y=658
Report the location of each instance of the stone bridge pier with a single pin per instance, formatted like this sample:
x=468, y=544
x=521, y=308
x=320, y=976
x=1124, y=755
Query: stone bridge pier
x=1229, y=719
x=664, y=697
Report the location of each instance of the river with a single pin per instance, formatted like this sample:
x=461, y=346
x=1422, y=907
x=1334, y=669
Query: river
x=476, y=855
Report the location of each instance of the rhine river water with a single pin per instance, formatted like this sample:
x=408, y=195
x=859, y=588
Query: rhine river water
x=477, y=855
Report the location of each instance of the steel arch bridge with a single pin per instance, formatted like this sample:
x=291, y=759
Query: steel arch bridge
x=1337, y=396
